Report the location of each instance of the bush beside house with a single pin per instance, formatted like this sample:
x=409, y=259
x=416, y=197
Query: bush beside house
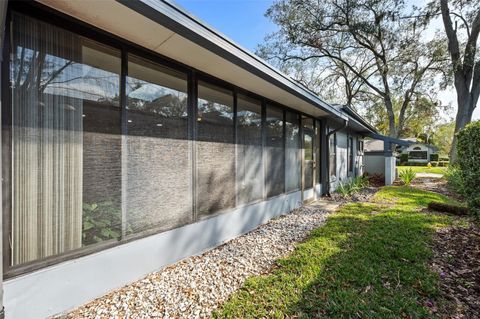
x=468, y=154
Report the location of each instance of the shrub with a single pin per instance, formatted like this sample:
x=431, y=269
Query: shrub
x=445, y=159
x=433, y=157
x=468, y=155
x=434, y=164
x=407, y=176
x=454, y=179
x=403, y=158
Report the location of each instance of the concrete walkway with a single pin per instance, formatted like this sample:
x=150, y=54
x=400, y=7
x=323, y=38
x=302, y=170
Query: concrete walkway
x=429, y=175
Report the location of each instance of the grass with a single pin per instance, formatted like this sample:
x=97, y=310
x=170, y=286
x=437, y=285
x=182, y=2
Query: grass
x=370, y=260
x=423, y=169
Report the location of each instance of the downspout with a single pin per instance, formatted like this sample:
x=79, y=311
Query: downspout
x=327, y=184
x=3, y=18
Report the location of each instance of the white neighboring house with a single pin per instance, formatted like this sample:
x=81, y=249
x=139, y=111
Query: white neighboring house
x=419, y=152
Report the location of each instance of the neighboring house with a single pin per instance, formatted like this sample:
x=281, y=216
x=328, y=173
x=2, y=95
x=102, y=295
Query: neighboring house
x=133, y=135
x=419, y=152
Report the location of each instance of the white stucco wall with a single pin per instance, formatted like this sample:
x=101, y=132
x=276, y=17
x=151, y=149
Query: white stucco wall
x=374, y=163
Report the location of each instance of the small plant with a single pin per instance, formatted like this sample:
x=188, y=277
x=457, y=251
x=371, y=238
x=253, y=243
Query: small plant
x=101, y=221
x=407, y=176
x=353, y=186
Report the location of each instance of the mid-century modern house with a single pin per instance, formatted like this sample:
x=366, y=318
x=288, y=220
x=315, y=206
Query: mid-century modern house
x=419, y=152
x=134, y=135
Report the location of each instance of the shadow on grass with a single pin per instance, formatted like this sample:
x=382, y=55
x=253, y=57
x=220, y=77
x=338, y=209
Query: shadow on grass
x=368, y=261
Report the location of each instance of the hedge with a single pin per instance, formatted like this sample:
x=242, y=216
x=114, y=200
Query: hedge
x=433, y=157
x=468, y=157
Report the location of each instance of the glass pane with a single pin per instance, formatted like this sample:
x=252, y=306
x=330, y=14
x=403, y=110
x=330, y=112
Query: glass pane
x=215, y=149
x=318, y=139
x=249, y=150
x=65, y=135
x=275, y=165
x=293, y=152
x=350, y=154
x=308, y=135
x=333, y=155
x=157, y=153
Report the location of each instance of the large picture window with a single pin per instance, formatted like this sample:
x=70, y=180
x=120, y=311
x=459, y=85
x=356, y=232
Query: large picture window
x=65, y=141
x=275, y=161
x=215, y=149
x=158, y=192
x=249, y=150
x=293, y=152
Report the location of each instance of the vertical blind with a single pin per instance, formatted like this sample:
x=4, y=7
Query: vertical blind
x=46, y=143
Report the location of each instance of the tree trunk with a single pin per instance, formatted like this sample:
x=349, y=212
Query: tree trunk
x=392, y=129
x=464, y=116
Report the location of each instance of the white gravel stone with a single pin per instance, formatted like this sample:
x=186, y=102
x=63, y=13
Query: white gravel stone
x=194, y=287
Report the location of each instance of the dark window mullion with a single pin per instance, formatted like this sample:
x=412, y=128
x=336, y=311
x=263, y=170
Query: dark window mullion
x=124, y=155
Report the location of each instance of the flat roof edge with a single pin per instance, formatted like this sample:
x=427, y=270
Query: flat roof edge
x=173, y=17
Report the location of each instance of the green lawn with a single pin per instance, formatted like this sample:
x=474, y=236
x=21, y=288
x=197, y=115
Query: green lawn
x=423, y=169
x=370, y=260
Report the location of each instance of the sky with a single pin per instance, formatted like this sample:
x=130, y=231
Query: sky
x=244, y=22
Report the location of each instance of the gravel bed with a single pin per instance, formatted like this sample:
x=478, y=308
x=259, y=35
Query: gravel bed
x=194, y=287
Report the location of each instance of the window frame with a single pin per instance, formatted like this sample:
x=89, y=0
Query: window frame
x=332, y=177
x=58, y=19
x=351, y=155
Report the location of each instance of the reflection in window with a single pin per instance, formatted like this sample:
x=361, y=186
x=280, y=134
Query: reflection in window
x=293, y=152
x=249, y=150
x=215, y=149
x=350, y=155
x=332, y=149
x=318, y=140
x=158, y=163
x=275, y=161
x=308, y=135
x=65, y=174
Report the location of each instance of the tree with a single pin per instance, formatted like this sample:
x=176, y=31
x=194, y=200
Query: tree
x=443, y=137
x=421, y=117
x=374, y=47
x=463, y=16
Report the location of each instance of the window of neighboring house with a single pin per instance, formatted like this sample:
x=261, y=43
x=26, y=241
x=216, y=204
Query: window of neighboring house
x=332, y=156
x=351, y=155
x=417, y=155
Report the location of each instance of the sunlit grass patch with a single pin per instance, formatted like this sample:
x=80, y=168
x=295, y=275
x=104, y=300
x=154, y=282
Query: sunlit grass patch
x=368, y=261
